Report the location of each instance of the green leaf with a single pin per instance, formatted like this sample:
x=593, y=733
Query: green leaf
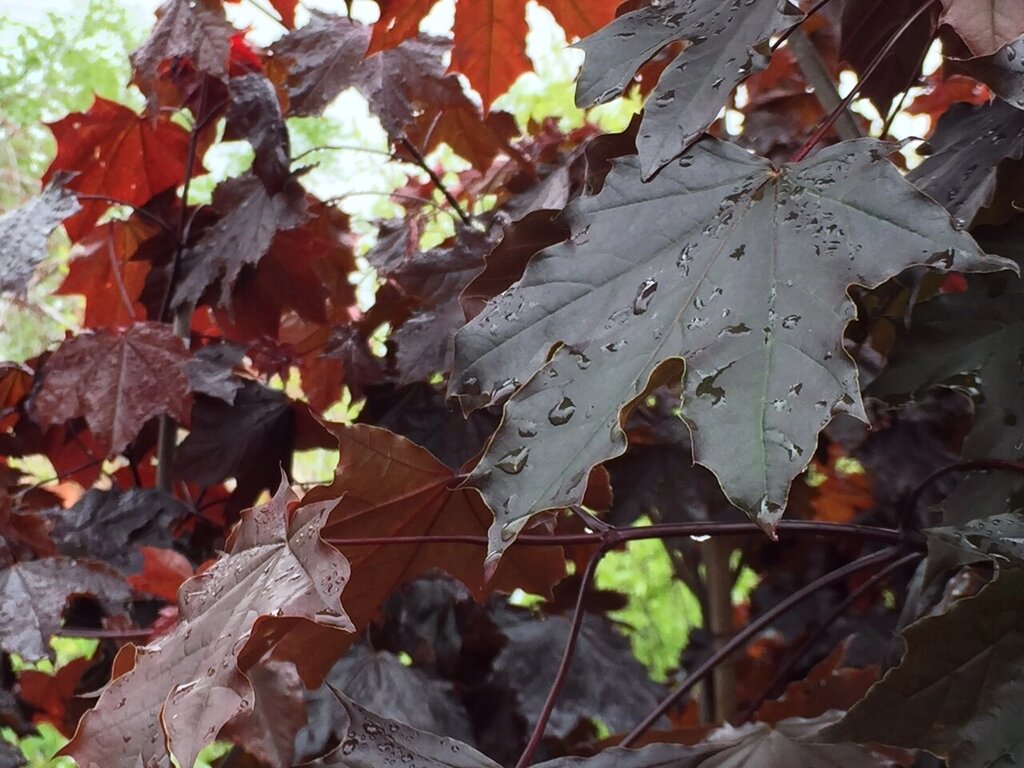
x=723, y=261
x=959, y=690
x=725, y=43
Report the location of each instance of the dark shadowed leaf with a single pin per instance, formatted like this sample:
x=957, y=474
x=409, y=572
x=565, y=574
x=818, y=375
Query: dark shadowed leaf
x=1000, y=537
x=116, y=380
x=985, y=25
x=33, y=596
x=969, y=146
x=116, y=153
x=726, y=42
x=979, y=332
x=254, y=115
x=866, y=26
x=190, y=682
x=380, y=682
x=249, y=439
x=387, y=486
x=1003, y=71
x=319, y=61
x=211, y=371
x=605, y=680
x=370, y=740
x=787, y=744
x=24, y=231
x=11, y=756
x=250, y=217
x=746, y=282
x=111, y=525
x=268, y=729
x=958, y=692
x=191, y=33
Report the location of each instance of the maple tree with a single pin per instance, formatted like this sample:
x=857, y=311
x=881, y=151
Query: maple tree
x=742, y=328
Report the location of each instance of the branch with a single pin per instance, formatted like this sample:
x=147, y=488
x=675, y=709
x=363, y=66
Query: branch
x=967, y=466
x=748, y=632
x=811, y=639
x=141, y=212
x=616, y=536
x=566, y=663
x=434, y=177
x=810, y=63
x=868, y=71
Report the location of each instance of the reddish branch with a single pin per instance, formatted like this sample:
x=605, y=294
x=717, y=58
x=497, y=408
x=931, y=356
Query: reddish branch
x=868, y=71
x=566, y=662
x=811, y=639
x=614, y=536
x=981, y=465
x=750, y=631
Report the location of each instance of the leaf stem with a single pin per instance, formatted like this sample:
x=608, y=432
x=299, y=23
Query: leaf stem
x=810, y=63
x=141, y=212
x=868, y=71
x=811, y=639
x=967, y=466
x=566, y=662
x=436, y=179
x=752, y=629
x=616, y=536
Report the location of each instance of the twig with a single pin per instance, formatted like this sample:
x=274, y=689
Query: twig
x=434, y=177
x=811, y=639
x=115, y=269
x=967, y=466
x=167, y=431
x=786, y=33
x=345, y=148
x=868, y=71
x=566, y=663
x=141, y=212
x=748, y=632
x=809, y=61
x=397, y=195
x=617, y=536
x=104, y=634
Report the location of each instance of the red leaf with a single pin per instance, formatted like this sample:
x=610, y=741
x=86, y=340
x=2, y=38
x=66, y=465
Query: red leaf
x=490, y=45
x=116, y=380
x=54, y=696
x=387, y=486
x=102, y=270
x=188, y=684
x=163, y=571
x=399, y=20
x=580, y=18
x=118, y=154
x=15, y=383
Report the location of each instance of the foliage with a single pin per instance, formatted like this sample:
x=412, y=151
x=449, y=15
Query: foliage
x=717, y=373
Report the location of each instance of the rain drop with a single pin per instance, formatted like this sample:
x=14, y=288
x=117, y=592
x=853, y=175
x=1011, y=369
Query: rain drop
x=644, y=295
x=512, y=463
x=789, y=322
x=562, y=412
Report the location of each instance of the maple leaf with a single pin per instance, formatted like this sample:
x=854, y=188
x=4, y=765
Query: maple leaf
x=249, y=439
x=278, y=713
x=1003, y=72
x=985, y=25
x=250, y=216
x=117, y=154
x=957, y=692
x=970, y=146
x=58, y=696
x=370, y=737
x=255, y=115
x=746, y=282
x=385, y=486
x=185, y=686
x=866, y=27
x=109, y=525
x=490, y=45
x=103, y=271
x=33, y=595
x=726, y=42
x=192, y=32
x=163, y=572
x=117, y=380
x=399, y=20
x=579, y=18
x=25, y=230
